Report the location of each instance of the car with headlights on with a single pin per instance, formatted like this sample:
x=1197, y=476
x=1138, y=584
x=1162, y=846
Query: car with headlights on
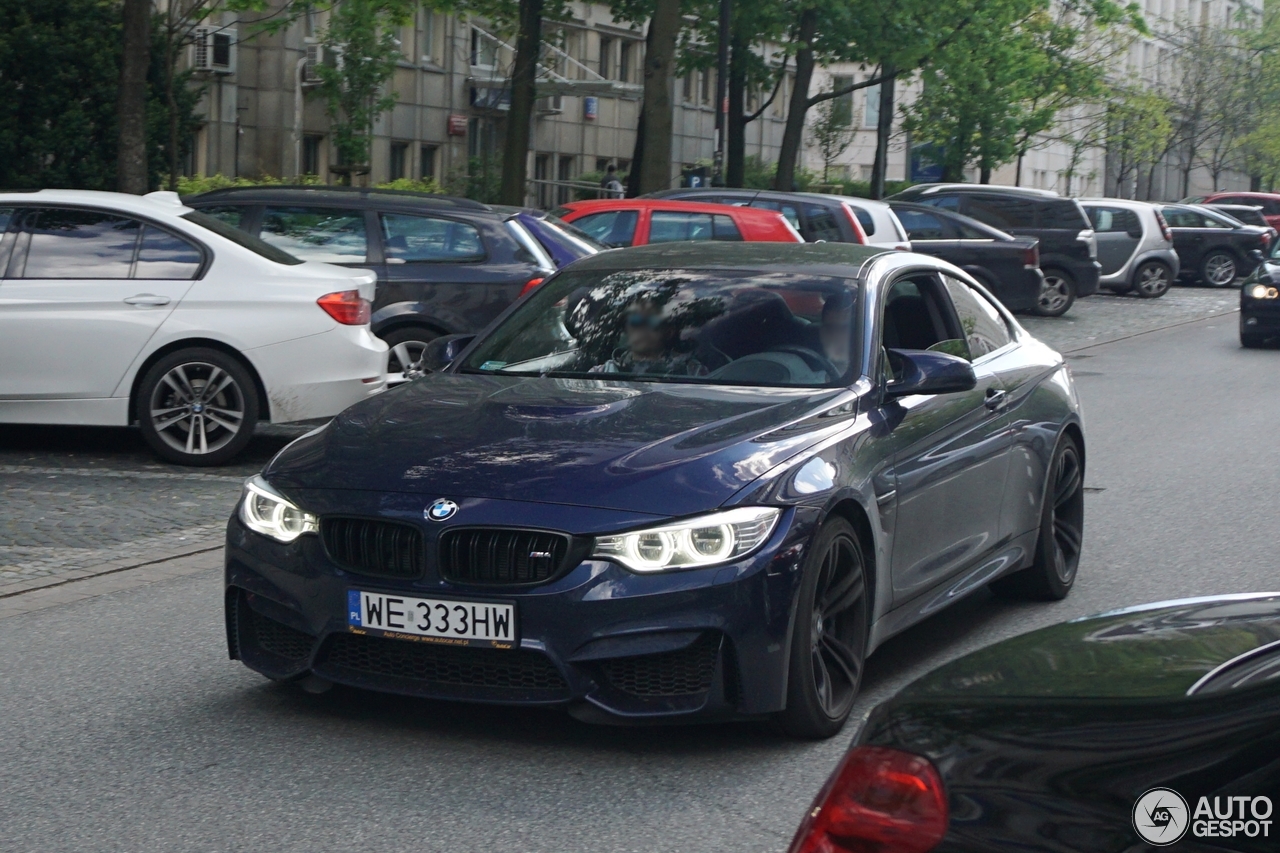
x=1145, y=727
x=117, y=309
x=677, y=481
x=1260, y=303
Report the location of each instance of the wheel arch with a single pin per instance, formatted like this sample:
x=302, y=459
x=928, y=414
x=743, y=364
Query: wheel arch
x=853, y=512
x=264, y=402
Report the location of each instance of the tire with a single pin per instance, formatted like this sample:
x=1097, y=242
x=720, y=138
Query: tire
x=1219, y=268
x=829, y=640
x=1057, y=556
x=1152, y=280
x=1057, y=295
x=406, y=343
x=183, y=421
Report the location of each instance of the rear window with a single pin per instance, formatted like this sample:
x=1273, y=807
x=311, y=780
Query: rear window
x=240, y=238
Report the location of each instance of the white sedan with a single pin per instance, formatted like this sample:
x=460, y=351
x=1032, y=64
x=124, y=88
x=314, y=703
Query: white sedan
x=119, y=309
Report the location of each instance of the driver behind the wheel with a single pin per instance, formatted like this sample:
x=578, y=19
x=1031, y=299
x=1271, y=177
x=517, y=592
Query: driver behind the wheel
x=652, y=345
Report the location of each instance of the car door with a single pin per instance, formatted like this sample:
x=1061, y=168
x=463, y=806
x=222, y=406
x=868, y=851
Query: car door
x=1118, y=233
x=1188, y=236
x=929, y=234
x=83, y=292
x=951, y=451
x=445, y=268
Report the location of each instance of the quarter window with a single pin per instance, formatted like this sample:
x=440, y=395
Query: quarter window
x=317, y=234
x=921, y=225
x=79, y=244
x=429, y=239
x=788, y=211
x=615, y=229
x=984, y=329
x=163, y=255
x=232, y=214
x=822, y=224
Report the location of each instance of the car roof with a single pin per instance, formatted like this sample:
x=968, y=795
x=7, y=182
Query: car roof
x=932, y=188
x=1117, y=201
x=845, y=259
x=960, y=217
x=766, y=194
x=340, y=196
x=153, y=204
x=1244, y=193
x=606, y=204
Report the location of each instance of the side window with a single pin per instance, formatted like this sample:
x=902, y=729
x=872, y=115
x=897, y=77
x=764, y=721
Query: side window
x=865, y=219
x=164, y=255
x=616, y=228
x=1001, y=212
x=232, y=214
x=428, y=238
x=668, y=227
x=921, y=225
x=788, y=211
x=1114, y=219
x=724, y=228
x=1212, y=222
x=317, y=234
x=911, y=316
x=7, y=237
x=79, y=244
x=1063, y=214
x=984, y=329
x=944, y=202
x=822, y=224
x=1179, y=218
x=1270, y=207
x=1103, y=218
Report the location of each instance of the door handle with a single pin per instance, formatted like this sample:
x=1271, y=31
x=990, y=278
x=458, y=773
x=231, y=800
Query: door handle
x=396, y=260
x=997, y=399
x=147, y=299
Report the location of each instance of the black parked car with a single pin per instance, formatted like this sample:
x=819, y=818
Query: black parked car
x=1215, y=249
x=444, y=265
x=1146, y=727
x=1249, y=214
x=1068, y=251
x=1260, y=303
x=1008, y=266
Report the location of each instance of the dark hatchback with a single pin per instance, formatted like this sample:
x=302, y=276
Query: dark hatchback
x=1068, y=251
x=444, y=265
x=1008, y=266
x=1214, y=248
x=1140, y=728
x=1260, y=303
x=681, y=480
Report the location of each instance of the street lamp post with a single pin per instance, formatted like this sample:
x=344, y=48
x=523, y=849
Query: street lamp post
x=722, y=93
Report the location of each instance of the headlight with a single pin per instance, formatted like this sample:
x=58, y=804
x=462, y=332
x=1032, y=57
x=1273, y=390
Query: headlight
x=264, y=510
x=694, y=543
x=1261, y=291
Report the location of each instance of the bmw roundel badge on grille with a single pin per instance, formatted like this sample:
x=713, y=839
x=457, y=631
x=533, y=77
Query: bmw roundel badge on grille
x=441, y=510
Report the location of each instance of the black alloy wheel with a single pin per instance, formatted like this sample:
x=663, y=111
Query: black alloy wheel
x=1057, y=556
x=1057, y=294
x=1219, y=268
x=197, y=407
x=829, y=640
x=406, y=347
x=1152, y=280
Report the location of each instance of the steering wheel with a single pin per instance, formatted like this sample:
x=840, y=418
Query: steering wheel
x=815, y=360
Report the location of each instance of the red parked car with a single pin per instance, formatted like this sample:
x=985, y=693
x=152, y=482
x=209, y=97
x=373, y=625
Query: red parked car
x=640, y=221
x=1269, y=202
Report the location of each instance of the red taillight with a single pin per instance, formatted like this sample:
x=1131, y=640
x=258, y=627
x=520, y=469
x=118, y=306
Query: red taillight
x=880, y=800
x=1031, y=257
x=348, y=307
x=1164, y=227
x=531, y=284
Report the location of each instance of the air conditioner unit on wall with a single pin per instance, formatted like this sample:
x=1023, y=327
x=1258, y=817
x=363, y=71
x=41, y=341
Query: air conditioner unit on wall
x=315, y=56
x=213, y=49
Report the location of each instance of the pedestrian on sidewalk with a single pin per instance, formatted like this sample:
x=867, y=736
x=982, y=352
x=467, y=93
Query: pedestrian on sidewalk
x=610, y=184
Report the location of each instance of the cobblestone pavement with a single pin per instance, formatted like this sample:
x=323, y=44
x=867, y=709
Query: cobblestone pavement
x=79, y=501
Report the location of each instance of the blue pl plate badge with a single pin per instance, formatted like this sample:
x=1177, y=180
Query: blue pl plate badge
x=353, y=607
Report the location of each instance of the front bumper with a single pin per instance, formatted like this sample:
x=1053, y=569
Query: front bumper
x=1259, y=318
x=609, y=643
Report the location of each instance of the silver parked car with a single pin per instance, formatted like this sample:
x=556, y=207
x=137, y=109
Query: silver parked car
x=1135, y=246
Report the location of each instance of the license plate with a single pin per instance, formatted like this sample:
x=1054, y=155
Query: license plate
x=433, y=620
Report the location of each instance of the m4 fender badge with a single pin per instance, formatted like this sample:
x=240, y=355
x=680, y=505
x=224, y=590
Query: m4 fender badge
x=442, y=510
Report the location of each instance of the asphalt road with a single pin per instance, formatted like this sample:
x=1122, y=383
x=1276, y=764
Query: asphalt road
x=125, y=727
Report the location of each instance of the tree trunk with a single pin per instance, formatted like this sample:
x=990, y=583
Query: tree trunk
x=171, y=103
x=637, y=158
x=984, y=174
x=131, y=104
x=515, y=154
x=794, y=131
x=656, y=116
x=884, y=130
x=736, y=150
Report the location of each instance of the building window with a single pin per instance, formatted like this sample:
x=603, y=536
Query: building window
x=624, y=62
x=399, y=156
x=311, y=154
x=842, y=107
x=687, y=86
x=484, y=53
x=427, y=164
x=871, y=113
x=606, y=53
x=564, y=172
x=705, y=97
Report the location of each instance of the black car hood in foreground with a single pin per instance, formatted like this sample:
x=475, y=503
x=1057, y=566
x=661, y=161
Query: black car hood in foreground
x=1151, y=651
x=669, y=449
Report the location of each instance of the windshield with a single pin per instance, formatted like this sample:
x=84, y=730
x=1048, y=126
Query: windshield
x=720, y=327
x=235, y=235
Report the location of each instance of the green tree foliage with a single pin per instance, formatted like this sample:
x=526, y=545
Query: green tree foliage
x=59, y=70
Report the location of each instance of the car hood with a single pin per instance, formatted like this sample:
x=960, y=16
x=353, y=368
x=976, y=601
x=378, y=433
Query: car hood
x=668, y=449
x=1155, y=651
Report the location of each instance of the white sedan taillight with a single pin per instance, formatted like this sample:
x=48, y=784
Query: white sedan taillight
x=348, y=307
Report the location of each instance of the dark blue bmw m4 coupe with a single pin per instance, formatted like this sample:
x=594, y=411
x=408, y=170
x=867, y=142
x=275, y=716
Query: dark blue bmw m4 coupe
x=678, y=481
